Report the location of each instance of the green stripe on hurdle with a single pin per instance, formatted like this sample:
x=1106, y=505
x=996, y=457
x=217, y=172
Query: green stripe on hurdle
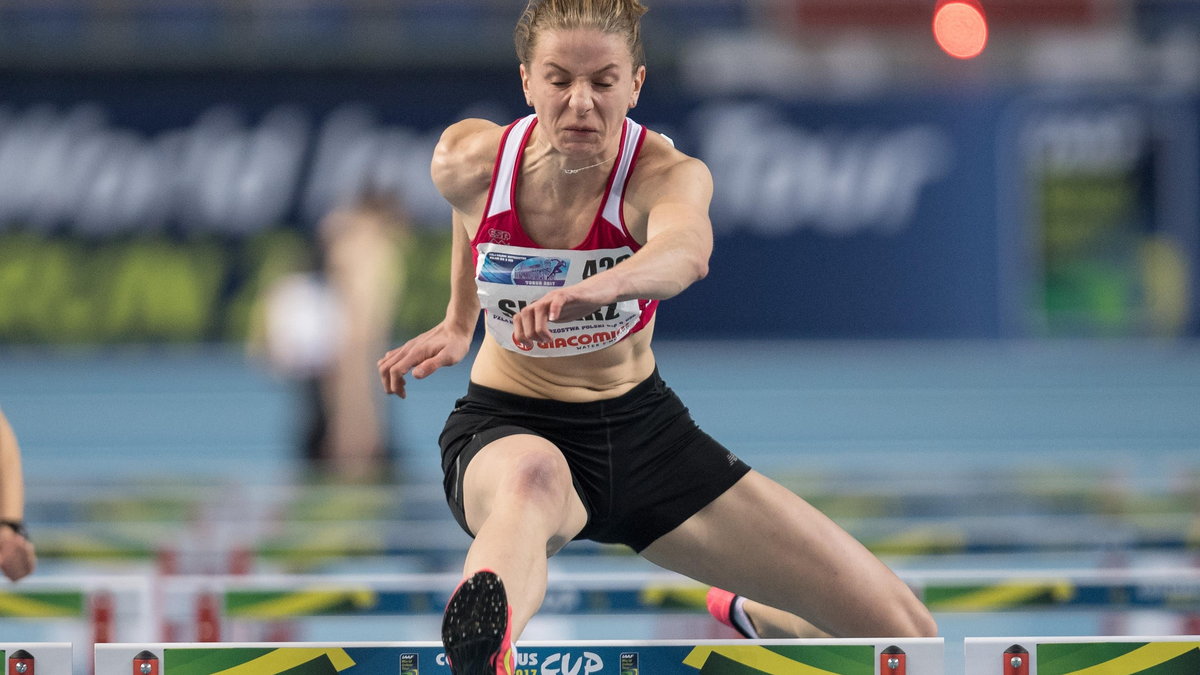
x=1003, y=595
x=1096, y=658
x=41, y=604
x=314, y=602
x=1061, y=594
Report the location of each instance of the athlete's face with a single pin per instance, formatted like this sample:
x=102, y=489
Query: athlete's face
x=581, y=83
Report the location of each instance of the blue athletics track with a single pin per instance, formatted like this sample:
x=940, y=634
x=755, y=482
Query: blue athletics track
x=1024, y=488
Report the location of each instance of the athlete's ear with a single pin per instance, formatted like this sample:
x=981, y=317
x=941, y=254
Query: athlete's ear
x=639, y=78
x=525, y=85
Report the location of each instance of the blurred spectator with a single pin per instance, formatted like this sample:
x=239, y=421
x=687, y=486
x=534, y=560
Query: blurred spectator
x=324, y=328
x=17, y=556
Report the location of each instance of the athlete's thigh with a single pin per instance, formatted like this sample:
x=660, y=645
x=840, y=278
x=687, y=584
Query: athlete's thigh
x=528, y=463
x=761, y=540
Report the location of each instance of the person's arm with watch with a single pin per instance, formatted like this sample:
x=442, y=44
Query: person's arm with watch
x=17, y=556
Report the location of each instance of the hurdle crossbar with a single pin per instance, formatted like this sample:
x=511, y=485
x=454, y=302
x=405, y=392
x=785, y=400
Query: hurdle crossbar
x=426, y=540
x=263, y=597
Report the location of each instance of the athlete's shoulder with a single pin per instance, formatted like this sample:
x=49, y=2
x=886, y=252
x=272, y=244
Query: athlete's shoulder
x=464, y=156
x=464, y=133
x=661, y=165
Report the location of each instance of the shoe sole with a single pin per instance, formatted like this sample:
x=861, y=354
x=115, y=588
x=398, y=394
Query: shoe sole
x=475, y=624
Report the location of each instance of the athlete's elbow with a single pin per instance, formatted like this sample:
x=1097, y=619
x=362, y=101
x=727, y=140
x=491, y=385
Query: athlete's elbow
x=697, y=270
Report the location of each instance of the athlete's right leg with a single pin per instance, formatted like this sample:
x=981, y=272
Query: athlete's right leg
x=521, y=504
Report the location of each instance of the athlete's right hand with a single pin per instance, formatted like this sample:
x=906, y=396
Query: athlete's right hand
x=17, y=556
x=422, y=355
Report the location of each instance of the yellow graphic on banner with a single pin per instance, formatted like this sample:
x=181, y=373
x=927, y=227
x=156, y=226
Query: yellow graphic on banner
x=1006, y=595
x=759, y=658
x=286, y=658
x=22, y=606
x=1140, y=659
x=921, y=540
x=674, y=596
x=305, y=603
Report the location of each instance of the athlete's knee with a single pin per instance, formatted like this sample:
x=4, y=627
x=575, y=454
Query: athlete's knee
x=926, y=625
x=526, y=481
x=915, y=621
x=898, y=613
x=538, y=476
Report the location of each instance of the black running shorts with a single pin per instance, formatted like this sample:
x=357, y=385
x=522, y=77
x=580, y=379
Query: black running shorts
x=640, y=464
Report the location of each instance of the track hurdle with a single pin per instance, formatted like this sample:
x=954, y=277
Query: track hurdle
x=266, y=597
x=917, y=656
x=81, y=610
x=37, y=658
x=1167, y=588
x=1164, y=655
x=217, y=604
x=103, y=608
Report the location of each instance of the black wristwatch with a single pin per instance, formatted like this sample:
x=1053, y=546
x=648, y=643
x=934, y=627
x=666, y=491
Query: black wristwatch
x=17, y=526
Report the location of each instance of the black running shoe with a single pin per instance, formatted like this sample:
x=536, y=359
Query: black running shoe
x=476, y=630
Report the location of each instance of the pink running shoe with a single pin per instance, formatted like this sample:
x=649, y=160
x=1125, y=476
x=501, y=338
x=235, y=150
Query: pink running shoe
x=727, y=608
x=477, y=627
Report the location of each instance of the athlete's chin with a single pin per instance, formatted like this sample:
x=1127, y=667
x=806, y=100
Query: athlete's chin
x=575, y=146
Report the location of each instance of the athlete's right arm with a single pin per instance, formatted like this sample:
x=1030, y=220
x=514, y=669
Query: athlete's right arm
x=461, y=174
x=448, y=342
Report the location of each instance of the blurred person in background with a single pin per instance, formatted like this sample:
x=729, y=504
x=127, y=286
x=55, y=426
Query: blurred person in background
x=325, y=327
x=569, y=226
x=17, y=556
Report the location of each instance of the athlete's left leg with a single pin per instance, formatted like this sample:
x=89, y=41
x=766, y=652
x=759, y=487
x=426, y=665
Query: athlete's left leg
x=762, y=541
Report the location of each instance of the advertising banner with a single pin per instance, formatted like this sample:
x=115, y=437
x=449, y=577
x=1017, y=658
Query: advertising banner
x=158, y=206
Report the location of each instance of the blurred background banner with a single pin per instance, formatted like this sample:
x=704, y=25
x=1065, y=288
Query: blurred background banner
x=1102, y=189
x=152, y=186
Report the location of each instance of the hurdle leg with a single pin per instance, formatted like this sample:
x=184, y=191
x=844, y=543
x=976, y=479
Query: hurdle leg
x=1015, y=661
x=893, y=661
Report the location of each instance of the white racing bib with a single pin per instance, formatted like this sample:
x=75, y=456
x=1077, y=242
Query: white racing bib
x=508, y=278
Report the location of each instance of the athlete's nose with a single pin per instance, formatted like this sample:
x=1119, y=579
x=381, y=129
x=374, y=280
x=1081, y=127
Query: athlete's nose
x=581, y=98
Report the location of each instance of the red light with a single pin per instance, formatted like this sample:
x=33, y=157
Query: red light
x=960, y=28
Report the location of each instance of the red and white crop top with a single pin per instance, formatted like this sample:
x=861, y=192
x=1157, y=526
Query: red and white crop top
x=511, y=270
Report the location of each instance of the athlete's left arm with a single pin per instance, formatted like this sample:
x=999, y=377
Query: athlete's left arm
x=674, y=199
x=678, y=233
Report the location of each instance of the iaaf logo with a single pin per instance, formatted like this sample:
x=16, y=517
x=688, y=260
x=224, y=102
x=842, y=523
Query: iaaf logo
x=562, y=663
